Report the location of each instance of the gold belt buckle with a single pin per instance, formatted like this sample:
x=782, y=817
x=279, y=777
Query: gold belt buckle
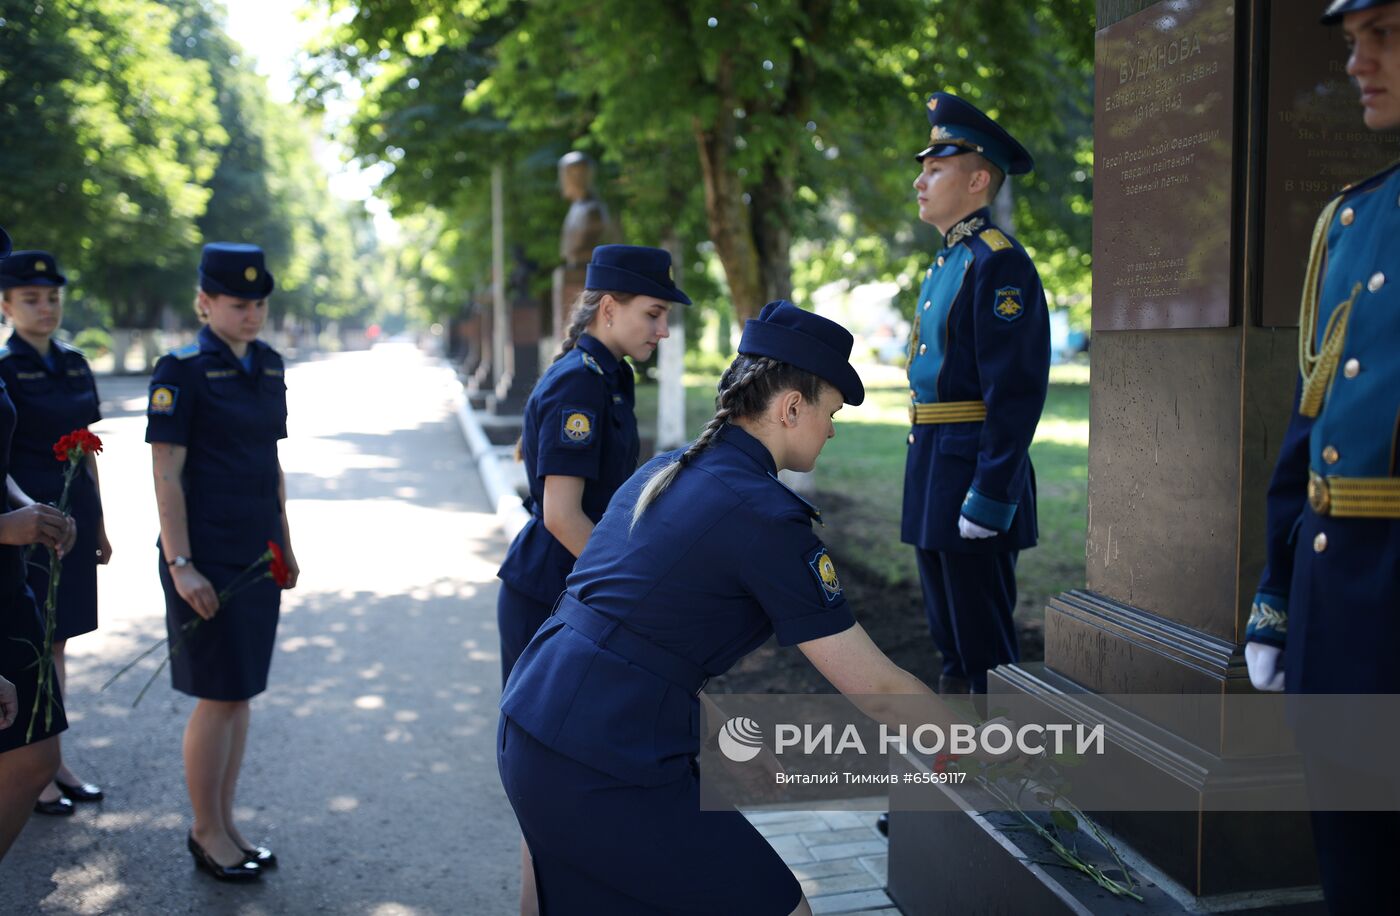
x=1318, y=495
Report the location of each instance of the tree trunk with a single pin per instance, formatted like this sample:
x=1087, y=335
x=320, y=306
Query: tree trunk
x=727, y=215
x=771, y=215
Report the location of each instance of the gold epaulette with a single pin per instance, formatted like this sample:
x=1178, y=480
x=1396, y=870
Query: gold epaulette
x=994, y=239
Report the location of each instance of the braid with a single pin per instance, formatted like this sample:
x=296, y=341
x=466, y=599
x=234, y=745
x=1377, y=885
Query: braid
x=745, y=389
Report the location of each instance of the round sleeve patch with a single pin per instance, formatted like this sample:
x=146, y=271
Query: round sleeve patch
x=163, y=399
x=577, y=427
x=825, y=571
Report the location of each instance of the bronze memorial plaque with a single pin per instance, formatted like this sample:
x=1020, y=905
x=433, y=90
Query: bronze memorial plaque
x=1314, y=145
x=1164, y=104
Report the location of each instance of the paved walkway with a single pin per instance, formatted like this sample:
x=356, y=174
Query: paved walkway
x=371, y=766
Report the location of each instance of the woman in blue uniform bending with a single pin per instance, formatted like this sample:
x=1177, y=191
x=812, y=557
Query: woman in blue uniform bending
x=217, y=409
x=579, y=442
x=54, y=393
x=27, y=761
x=701, y=557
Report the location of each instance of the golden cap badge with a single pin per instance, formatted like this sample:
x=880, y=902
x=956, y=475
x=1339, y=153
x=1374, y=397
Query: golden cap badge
x=40, y=266
x=250, y=274
x=932, y=104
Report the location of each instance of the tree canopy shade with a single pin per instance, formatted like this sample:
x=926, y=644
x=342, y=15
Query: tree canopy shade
x=134, y=130
x=748, y=125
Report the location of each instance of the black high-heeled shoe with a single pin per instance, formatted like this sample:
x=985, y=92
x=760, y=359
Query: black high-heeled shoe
x=264, y=857
x=80, y=792
x=244, y=871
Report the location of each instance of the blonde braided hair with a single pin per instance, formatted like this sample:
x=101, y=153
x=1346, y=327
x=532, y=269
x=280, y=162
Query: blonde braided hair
x=746, y=388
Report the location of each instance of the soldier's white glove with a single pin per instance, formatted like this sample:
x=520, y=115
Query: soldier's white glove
x=973, y=531
x=1265, y=666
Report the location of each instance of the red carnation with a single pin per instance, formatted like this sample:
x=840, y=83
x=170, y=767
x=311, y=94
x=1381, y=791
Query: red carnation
x=75, y=445
x=278, y=569
x=941, y=761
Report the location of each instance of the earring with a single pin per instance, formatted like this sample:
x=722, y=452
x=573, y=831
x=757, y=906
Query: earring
x=609, y=324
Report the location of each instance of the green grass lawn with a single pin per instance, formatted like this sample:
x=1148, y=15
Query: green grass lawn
x=860, y=478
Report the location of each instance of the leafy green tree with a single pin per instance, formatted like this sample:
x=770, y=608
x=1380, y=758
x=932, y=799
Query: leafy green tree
x=758, y=124
x=109, y=138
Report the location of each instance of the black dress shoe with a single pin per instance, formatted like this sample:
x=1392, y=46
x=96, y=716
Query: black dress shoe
x=264, y=857
x=59, y=807
x=243, y=871
x=82, y=792
x=882, y=824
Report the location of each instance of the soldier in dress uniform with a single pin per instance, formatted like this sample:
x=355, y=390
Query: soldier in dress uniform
x=1324, y=618
x=54, y=393
x=979, y=359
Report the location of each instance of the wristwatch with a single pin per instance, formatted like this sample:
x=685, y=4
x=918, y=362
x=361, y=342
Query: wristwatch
x=179, y=562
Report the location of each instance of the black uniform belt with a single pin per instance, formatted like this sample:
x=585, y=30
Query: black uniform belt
x=947, y=412
x=609, y=633
x=1354, y=497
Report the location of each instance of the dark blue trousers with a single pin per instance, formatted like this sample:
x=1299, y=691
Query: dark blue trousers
x=969, y=599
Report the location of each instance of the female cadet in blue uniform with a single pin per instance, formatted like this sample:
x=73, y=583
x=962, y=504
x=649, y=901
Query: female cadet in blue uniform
x=25, y=768
x=702, y=555
x=579, y=442
x=1324, y=617
x=217, y=409
x=54, y=393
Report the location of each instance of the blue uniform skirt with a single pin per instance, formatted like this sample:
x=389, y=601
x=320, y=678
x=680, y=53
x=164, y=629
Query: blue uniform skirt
x=228, y=657
x=19, y=620
x=77, y=589
x=602, y=845
x=518, y=616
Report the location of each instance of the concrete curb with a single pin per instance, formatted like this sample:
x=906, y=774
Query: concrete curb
x=489, y=464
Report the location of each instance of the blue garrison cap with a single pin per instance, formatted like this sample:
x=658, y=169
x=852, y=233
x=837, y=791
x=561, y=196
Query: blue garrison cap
x=30, y=268
x=959, y=127
x=784, y=332
x=4, y=243
x=634, y=269
x=1339, y=8
x=234, y=269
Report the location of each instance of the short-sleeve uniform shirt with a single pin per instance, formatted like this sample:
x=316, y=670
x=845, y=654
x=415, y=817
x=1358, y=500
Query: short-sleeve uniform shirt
x=721, y=561
x=579, y=422
x=229, y=416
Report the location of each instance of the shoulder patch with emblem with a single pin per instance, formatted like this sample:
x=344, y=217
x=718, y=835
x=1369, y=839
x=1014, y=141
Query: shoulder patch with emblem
x=576, y=426
x=163, y=398
x=825, y=571
x=1008, y=305
x=592, y=363
x=188, y=351
x=994, y=239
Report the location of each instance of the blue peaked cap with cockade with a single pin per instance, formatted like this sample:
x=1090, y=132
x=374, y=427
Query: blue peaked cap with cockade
x=958, y=127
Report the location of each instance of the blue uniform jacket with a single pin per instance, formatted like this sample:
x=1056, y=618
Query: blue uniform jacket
x=230, y=419
x=981, y=333
x=579, y=422
x=1355, y=434
x=13, y=596
x=725, y=558
x=52, y=401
